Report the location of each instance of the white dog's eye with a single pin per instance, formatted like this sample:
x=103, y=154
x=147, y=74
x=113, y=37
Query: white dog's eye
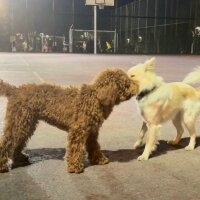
x=132, y=75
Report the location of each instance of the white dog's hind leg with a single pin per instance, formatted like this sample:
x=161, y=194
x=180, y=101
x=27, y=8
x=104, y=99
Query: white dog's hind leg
x=177, y=121
x=151, y=140
x=189, y=122
x=140, y=141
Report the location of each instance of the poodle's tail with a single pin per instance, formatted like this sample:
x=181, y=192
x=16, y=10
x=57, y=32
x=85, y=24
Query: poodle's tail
x=193, y=77
x=6, y=89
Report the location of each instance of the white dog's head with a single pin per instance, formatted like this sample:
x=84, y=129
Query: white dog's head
x=144, y=75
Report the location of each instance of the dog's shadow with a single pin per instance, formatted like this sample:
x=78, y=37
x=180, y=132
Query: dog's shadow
x=126, y=155
x=38, y=155
x=121, y=155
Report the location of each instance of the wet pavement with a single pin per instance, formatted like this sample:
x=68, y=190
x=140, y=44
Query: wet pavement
x=171, y=174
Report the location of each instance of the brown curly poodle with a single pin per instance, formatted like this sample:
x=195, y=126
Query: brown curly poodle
x=80, y=111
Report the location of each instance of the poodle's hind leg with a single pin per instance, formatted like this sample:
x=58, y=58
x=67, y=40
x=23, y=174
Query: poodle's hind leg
x=177, y=121
x=95, y=155
x=19, y=157
x=18, y=129
x=75, y=150
x=5, y=162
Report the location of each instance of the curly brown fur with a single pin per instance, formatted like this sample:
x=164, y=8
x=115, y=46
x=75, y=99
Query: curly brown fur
x=79, y=111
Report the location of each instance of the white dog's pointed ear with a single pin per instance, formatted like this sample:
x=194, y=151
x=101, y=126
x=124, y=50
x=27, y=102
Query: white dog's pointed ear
x=150, y=64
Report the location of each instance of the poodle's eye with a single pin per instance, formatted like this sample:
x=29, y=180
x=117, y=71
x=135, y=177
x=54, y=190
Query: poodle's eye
x=132, y=75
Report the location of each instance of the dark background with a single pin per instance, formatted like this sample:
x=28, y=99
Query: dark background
x=159, y=22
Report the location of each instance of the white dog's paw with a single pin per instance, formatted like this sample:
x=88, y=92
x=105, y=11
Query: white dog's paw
x=142, y=157
x=138, y=144
x=9, y=163
x=189, y=148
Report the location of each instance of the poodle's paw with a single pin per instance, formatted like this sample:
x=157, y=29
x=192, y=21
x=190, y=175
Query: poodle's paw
x=172, y=142
x=22, y=157
x=99, y=161
x=103, y=161
x=76, y=168
x=20, y=160
x=6, y=166
x=189, y=148
x=20, y=163
x=142, y=157
x=4, y=169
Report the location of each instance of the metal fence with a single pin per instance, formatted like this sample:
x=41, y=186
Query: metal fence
x=159, y=26
x=82, y=41
x=33, y=42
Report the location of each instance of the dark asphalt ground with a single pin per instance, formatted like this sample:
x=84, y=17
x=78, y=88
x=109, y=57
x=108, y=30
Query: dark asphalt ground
x=171, y=173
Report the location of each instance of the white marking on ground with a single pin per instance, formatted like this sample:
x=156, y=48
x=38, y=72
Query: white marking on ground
x=38, y=76
x=21, y=64
x=13, y=71
x=25, y=62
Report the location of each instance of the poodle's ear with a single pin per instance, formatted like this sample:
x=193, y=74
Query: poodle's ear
x=150, y=64
x=107, y=94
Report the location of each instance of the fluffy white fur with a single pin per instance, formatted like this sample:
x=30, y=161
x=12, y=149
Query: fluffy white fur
x=193, y=77
x=175, y=101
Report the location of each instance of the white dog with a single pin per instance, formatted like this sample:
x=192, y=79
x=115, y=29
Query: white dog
x=159, y=101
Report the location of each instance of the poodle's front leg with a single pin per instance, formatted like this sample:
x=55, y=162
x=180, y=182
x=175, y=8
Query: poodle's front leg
x=75, y=151
x=151, y=140
x=95, y=155
x=140, y=141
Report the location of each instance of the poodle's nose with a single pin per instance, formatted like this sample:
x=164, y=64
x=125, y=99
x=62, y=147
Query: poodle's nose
x=134, y=87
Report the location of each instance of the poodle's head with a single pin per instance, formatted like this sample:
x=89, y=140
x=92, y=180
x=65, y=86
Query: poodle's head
x=114, y=86
x=144, y=75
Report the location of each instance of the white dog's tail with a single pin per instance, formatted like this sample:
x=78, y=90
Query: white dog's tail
x=193, y=77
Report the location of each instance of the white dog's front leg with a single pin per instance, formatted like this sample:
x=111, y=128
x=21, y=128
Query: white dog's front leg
x=140, y=141
x=151, y=140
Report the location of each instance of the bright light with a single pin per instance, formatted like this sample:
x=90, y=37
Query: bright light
x=2, y=5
